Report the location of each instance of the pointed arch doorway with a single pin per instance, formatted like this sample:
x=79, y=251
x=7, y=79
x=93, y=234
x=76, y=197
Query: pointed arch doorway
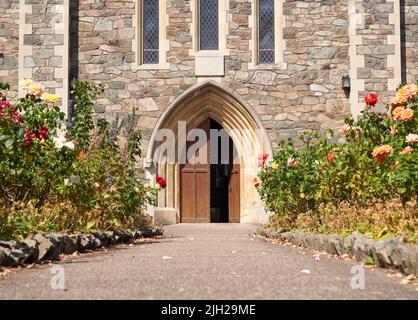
x=205, y=102
x=210, y=191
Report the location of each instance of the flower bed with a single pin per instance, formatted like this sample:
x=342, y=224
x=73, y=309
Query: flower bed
x=68, y=175
x=373, y=169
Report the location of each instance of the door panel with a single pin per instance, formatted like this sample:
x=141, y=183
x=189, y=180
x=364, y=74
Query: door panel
x=187, y=196
x=234, y=185
x=234, y=194
x=195, y=187
x=202, y=196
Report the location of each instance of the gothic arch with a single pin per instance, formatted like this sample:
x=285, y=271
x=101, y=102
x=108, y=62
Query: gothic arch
x=211, y=100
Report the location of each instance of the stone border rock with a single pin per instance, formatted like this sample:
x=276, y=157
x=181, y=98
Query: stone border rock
x=48, y=247
x=392, y=253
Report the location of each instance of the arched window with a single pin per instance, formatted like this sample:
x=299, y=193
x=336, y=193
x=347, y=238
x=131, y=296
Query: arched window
x=208, y=25
x=150, y=32
x=266, y=33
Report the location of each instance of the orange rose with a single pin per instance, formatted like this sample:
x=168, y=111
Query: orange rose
x=382, y=153
x=397, y=113
x=82, y=155
x=404, y=94
x=407, y=114
x=407, y=150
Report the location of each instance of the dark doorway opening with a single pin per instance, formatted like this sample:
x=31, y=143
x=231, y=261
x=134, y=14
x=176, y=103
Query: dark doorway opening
x=219, y=180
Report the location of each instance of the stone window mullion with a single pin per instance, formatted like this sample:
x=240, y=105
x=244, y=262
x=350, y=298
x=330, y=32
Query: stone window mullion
x=266, y=32
x=208, y=15
x=151, y=43
x=150, y=32
x=267, y=43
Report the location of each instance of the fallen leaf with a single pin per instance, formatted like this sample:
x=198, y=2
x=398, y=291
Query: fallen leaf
x=409, y=279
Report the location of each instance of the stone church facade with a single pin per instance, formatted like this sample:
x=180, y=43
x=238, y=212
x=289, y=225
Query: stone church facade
x=271, y=66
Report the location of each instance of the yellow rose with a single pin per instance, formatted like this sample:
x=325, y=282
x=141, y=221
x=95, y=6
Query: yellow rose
x=27, y=84
x=37, y=90
x=275, y=165
x=157, y=186
x=50, y=98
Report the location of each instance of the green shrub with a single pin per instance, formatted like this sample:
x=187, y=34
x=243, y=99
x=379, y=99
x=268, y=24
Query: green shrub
x=378, y=161
x=75, y=178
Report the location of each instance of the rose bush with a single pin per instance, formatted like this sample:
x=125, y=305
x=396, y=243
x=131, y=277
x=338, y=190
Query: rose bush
x=377, y=162
x=70, y=175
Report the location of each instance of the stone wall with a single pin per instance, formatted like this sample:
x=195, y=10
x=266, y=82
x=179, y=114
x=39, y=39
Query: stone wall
x=375, y=54
x=44, y=48
x=411, y=41
x=9, y=42
x=305, y=95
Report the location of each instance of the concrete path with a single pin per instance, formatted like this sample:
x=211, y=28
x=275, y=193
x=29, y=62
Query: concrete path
x=204, y=262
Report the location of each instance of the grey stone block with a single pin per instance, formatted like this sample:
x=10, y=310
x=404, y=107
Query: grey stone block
x=45, y=246
x=70, y=244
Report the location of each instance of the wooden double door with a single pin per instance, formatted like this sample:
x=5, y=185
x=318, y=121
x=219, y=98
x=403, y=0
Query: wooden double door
x=210, y=191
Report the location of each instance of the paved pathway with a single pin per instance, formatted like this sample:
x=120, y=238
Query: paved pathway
x=204, y=262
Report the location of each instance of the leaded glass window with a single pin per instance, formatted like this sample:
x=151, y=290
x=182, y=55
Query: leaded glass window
x=150, y=32
x=209, y=33
x=266, y=54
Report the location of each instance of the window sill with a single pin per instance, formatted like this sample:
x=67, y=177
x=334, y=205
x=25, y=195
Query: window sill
x=275, y=66
x=161, y=66
x=209, y=53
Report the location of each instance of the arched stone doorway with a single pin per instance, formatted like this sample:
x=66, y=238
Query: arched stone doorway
x=210, y=189
x=208, y=100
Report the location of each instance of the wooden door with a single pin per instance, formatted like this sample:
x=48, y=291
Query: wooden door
x=195, y=187
x=234, y=186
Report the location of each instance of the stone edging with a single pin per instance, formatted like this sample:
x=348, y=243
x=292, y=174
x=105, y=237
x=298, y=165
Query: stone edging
x=391, y=253
x=46, y=247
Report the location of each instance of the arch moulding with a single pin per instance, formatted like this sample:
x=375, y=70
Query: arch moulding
x=209, y=100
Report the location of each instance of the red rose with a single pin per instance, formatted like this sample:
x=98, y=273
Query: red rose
x=256, y=183
x=161, y=182
x=262, y=159
x=8, y=112
x=29, y=134
x=28, y=141
x=43, y=133
x=330, y=156
x=371, y=99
